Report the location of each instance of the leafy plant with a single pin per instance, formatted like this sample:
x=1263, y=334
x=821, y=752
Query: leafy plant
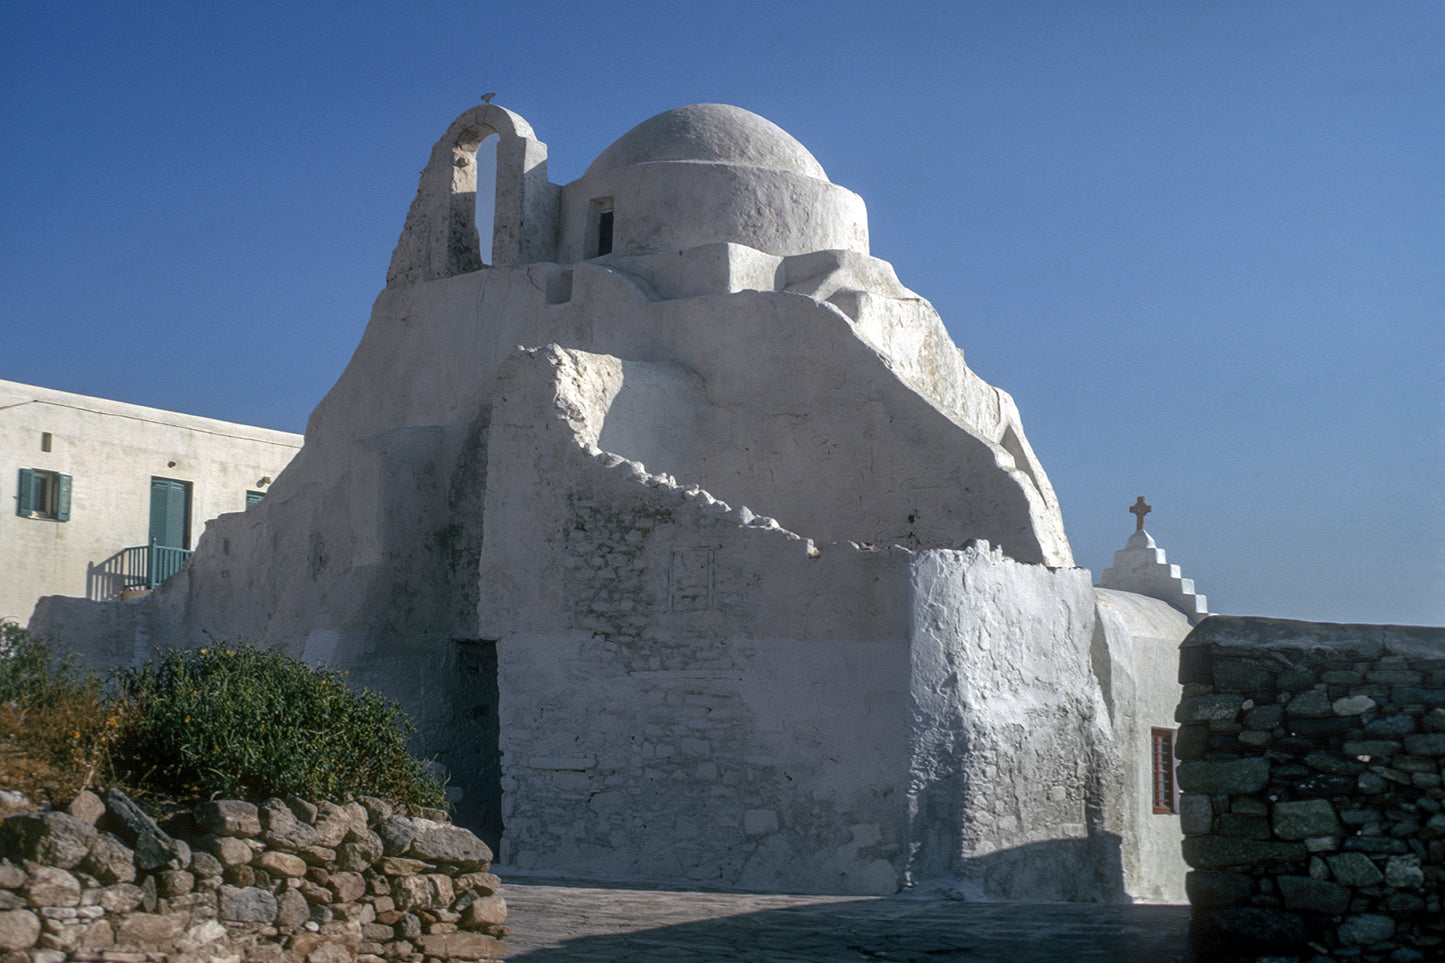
x=239, y=721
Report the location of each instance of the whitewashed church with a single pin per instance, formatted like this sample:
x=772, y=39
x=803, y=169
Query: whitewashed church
x=698, y=552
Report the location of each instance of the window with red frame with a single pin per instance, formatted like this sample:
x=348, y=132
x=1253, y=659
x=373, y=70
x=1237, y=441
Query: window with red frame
x=1163, y=756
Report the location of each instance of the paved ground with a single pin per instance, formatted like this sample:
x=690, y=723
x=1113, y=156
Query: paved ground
x=553, y=921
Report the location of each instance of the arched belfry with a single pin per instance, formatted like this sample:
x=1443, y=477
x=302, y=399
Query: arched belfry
x=441, y=239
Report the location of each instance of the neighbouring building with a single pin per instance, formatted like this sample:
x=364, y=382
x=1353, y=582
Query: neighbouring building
x=110, y=498
x=697, y=551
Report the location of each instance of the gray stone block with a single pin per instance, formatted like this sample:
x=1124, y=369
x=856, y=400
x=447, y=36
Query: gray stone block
x=1303, y=894
x=1366, y=928
x=1196, y=814
x=1210, y=708
x=1401, y=871
x=246, y=904
x=228, y=817
x=1264, y=717
x=1223, y=852
x=53, y=838
x=1406, y=695
x=152, y=846
x=1230, y=776
x=1426, y=744
x=1390, y=727
x=1240, y=675
x=1305, y=817
x=1354, y=869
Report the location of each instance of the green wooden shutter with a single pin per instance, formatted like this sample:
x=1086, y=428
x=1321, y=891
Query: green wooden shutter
x=24, y=504
x=170, y=512
x=62, y=498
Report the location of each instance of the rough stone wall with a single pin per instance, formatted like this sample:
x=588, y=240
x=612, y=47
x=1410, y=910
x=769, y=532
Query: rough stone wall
x=1311, y=760
x=285, y=881
x=649, y=727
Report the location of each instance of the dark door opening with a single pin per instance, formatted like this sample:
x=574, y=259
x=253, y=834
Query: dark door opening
x=474, y=755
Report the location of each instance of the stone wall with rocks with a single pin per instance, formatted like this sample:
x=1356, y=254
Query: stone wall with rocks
x=283, y=881
x=1311, y=758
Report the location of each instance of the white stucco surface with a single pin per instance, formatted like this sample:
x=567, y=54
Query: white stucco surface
x=1136, y=655
x=707, y=559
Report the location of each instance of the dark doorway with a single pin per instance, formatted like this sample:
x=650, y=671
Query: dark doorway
x=474, y=756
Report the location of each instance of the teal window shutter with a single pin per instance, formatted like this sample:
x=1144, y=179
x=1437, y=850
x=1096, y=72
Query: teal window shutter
x=170, y=521
x=25, y=502
x=62, y=498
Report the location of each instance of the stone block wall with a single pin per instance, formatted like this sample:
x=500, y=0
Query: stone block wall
x=1311, y=760
x=283, y=882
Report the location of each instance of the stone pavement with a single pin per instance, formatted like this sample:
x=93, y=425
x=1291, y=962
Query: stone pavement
x=553, y=921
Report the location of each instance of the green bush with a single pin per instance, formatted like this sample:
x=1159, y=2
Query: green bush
x=236, y=721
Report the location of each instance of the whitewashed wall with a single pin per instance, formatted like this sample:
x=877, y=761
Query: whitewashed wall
x=111, y=450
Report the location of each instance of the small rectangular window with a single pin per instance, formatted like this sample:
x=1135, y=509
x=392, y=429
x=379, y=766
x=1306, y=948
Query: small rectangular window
x=604, y=233
x=43, y=494
x=600, y=222
x=45, y=441
x=1162, y=753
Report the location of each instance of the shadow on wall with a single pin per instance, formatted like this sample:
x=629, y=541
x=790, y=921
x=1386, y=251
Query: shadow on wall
x=1085, y=870
x=107, y=579
x=882, y=928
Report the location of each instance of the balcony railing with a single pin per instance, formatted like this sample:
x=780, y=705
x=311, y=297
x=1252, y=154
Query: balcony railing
x=137, y=567
x=164, y=562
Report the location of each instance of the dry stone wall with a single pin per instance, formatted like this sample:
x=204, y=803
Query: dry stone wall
x=229, y=881
x=1311, y=762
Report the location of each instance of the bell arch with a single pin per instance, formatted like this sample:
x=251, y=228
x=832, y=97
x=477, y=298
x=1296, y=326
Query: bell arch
x=440, y=237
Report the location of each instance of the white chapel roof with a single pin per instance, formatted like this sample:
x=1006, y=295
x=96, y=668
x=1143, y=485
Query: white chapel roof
x=711, y=133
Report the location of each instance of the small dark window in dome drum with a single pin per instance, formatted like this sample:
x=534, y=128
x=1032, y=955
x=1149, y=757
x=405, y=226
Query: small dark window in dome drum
x=604, y=233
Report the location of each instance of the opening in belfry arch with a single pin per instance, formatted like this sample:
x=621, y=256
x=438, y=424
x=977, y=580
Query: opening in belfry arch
x=486, y=212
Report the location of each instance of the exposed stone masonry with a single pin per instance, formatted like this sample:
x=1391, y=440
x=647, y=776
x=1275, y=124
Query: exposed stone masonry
x=1311, y=760
x=229, y=881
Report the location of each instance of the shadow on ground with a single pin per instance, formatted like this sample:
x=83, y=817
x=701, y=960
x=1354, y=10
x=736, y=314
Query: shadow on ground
x=557, y=923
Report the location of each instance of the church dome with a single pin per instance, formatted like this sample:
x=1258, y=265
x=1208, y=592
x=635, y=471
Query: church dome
x=710, y=133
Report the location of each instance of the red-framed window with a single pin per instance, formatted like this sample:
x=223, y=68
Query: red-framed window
x=1165, y=790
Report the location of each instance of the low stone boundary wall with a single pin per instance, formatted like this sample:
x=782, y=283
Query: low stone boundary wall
x=1311, y=761
x=283, y=881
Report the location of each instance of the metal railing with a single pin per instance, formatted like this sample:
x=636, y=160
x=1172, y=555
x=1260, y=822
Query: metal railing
x=136, y=567
x=164, y=562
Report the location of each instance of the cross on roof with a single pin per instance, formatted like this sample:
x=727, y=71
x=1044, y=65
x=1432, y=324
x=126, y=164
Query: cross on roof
x=1140, y=509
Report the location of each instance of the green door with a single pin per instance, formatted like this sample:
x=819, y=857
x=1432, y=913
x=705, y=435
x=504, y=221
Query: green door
x=170, y=513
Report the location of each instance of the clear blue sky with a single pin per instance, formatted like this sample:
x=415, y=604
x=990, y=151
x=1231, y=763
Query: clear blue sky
x=1202, y=244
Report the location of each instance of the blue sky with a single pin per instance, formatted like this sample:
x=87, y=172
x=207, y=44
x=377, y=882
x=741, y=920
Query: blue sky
x=1200, y=243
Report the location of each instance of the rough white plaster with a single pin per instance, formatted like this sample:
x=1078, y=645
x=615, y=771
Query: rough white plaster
x=1005, y=791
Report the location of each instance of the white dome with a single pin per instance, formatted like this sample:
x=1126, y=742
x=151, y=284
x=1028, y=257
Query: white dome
x=710, y=133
